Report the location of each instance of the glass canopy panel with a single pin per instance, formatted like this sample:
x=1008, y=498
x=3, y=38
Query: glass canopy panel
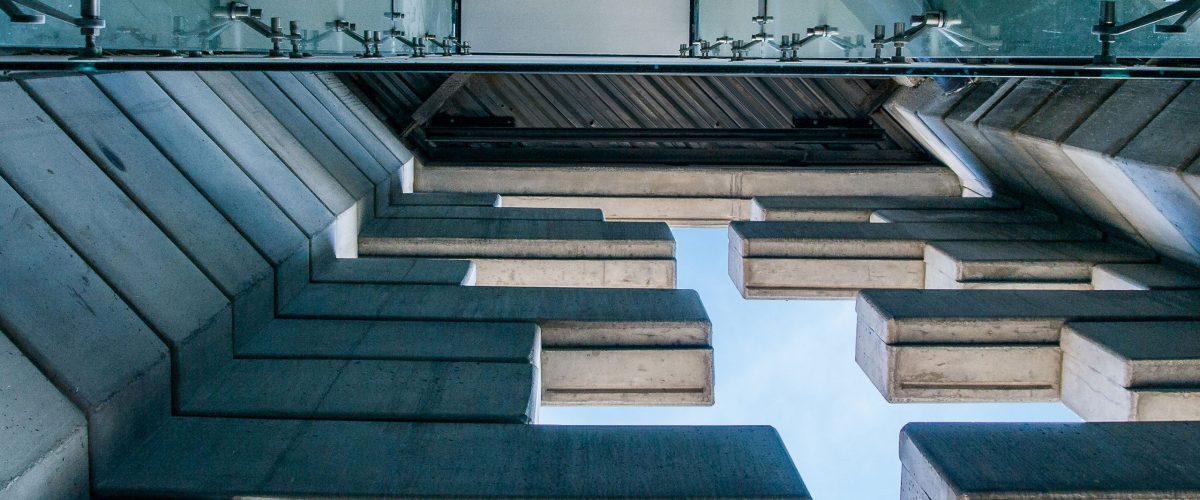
x=191, y=24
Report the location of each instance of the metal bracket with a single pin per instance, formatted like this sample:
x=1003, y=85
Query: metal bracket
x=1107, y=30
x=89, y=21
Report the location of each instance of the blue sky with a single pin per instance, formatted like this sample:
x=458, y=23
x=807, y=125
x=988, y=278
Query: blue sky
x=790, y=364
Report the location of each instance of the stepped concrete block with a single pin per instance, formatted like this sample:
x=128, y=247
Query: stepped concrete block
x=690, y=181
x=506, y=213
x=961, y=121
x=359, y=108
x=370, y=390
x=576, y=273
x=233, y=457
x=627, y=377
x=936, y=279
x=109, y=230
x=1143, y=277
x=340, y=108
x=820, y=278
x=1059, y=460
x=1132, y=370
x=288, y=190
x=929, y=97
x=329, y=185
x=149, y=178
x=233, y=193
x=909, y=373
x=516, y=239
x=447, y=199
x=1027, y=216
x=1042, y=136
x=683, y=212
x=44, y=435
x=324, y=120
x=999, y=127
x=860, y=208
x=1008, y=316
x=397, y=340
x=396, y=271
x=568, y=317
x=1129, y=110
x=1027, y=262
x=119, y=373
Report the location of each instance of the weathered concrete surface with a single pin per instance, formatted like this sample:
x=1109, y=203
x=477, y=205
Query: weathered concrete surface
x=447, y=199
x=398, y=340
x=690, y=181
x=351, y=101
x=44, y=436
x=1008, y=316
x=441, y=391
x=1007, y=263
x=676, y=211
x=568, y=317
x=1132, y=370
x=576, y=273
x=1143, y=277
x=820, y=277
x=932, y=134
x=860, y=208
x=627, y=377
x=908, y=373
x=231, y=457
x=1094, y=460
x=1026, y=216
x=396, y=271
x=516, y=239
x=119, y=373
x=460, y=212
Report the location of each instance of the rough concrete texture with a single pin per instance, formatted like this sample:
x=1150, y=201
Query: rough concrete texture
x=1026, y=461
x=1027, y=216
x=44, y=435
x=1008, y=316
x=568, y=317
x=910, y=373
x=398, y=340
x=414, y=460
x=516, y=239
x=1144, y=277
x=676, y=211
x=1132, y=370
x=930, y=98
x=576, y=273
x=447, y=199
x=1025, y=261
x=691, y=181
x=396, y=271
x=860, y=208
x=456, y=212
x=627, y=377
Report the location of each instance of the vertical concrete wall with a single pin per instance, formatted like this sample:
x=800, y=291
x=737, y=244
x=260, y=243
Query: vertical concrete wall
x=1121, y=153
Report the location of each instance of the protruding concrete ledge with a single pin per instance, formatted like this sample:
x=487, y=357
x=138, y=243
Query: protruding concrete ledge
x=1132, y=371
x=689, y=181
x=860, y=208
x=627, y=377
x=1026, y=216
x=576, y=273
x=446, y=199
x=568, y=317
x=685, y=212
x=831, y=259
x=443, y=391
x=1096, y=461
x=396, y=271
x=516, y=239
x=1143, y=277
x=499, y=213
x=1058, y=265
x=396, y=340
x=1007, y=316
x=44, y=436
x=229, y=457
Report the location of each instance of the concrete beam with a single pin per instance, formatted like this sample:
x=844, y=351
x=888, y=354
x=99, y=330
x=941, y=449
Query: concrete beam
x=1132, y=371
x=679, y=212
x=1094, y=461
x=627, y=377
x=496, y=213
x=1002, y=264
x=411, y=460
x=446, y=199
x=860, y=208
x=1143, y=277
x=516, y=239
x=1026, y=216
x=691, y=181
x=396, y=271
x=575, y=273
